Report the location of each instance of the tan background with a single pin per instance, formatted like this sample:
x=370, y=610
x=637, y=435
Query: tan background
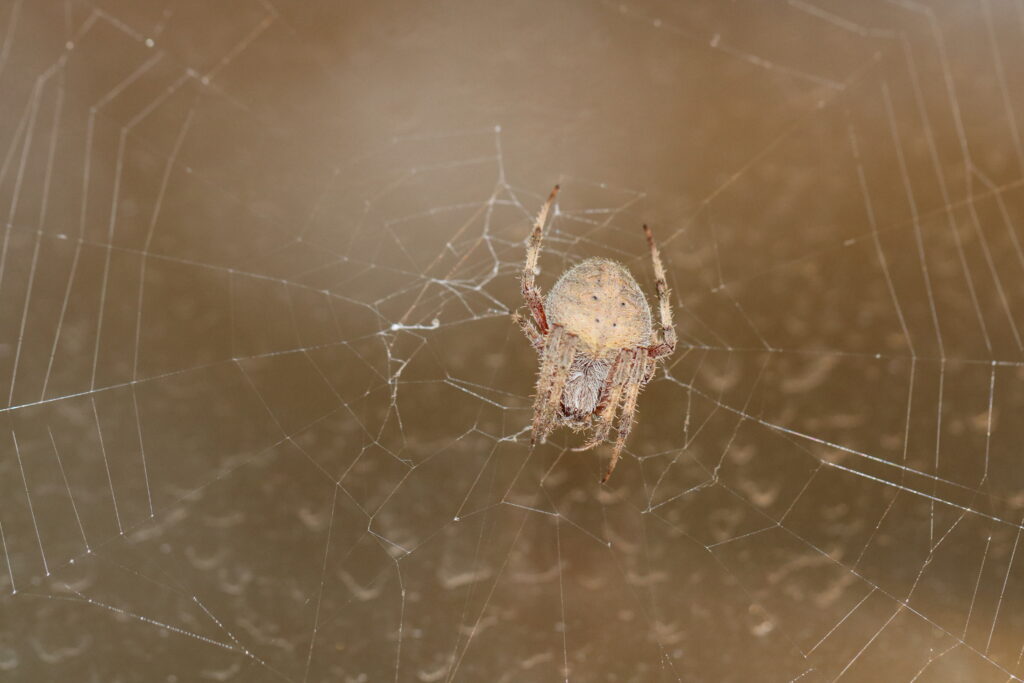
x=266, y=413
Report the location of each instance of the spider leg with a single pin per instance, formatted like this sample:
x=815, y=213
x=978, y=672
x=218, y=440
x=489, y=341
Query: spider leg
x=668, y=331
x=611, y=395
x=634, y=383
x=530, y=330
x=530, y=291
x=652, y=367
x=544, y=376
x=554, y=371
x=563, y=364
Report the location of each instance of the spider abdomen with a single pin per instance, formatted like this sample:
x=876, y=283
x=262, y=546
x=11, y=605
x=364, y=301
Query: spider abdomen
x=600, y=302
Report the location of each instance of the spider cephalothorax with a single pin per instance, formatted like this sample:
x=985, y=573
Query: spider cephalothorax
x=596, y=341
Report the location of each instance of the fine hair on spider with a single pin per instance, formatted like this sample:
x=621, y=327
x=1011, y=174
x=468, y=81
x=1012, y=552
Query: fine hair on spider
x=597, y=343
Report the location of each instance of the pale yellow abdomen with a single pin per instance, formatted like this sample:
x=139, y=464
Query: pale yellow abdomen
x=599, y=301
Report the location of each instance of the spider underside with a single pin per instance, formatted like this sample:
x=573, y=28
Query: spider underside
x=596, y=341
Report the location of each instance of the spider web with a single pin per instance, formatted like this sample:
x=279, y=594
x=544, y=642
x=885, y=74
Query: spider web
x=267, y=417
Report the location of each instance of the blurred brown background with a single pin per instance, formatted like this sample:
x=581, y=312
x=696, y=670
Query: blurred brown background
x=267, y=414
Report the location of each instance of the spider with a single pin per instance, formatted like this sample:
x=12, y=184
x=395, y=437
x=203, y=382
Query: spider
x=596, y=342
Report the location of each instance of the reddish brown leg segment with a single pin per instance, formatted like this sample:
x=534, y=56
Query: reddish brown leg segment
x=530, y=291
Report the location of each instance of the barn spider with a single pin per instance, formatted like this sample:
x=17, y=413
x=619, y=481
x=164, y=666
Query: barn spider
x=596, y=343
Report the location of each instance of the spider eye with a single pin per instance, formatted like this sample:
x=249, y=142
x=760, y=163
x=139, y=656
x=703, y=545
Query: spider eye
x=594, y=297
x=615, y=324
x=597, y=320
x=623, y=303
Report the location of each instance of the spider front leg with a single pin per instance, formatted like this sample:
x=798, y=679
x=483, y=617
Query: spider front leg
x=667, y=345
x=556, y=361
x=530, y=291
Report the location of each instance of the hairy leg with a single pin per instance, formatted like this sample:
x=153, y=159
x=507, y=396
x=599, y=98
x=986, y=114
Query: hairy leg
x=562, y=366
x=554, y=370
x=530, y=291
x=634, y=382
x=668, y=331
x=611, y=395
x=652, y=367
x=530, y=330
